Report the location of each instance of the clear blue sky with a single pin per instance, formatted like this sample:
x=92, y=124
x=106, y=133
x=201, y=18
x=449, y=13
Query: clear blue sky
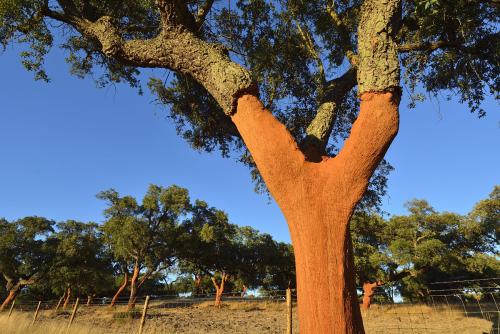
x=63, y=142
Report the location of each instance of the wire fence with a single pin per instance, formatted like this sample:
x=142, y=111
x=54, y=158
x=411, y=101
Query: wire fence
x=470, y=306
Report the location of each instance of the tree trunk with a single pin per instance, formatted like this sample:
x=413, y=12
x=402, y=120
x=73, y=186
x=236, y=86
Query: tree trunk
x=89, y=300
x=120, y=290
x=9, y=299
x=244, y=291
x=133, y=288
x=68, y=297
x=219, y=289
x=368, y=292
x=197, y=284
x=318, y=200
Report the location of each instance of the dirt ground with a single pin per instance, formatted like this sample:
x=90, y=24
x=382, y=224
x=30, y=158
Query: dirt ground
x=239, y=317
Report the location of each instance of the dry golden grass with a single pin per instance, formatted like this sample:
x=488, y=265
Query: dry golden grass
x=250, y=317
x=20, y=323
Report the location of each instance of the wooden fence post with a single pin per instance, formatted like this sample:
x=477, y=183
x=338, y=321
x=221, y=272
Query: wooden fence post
x=59, y=303
x=144, y=312
x=11, y=308
x=36, y=313
x=289, y=311
x=75, y=308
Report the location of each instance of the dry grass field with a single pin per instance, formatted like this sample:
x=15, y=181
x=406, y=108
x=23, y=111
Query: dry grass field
x=236, y=317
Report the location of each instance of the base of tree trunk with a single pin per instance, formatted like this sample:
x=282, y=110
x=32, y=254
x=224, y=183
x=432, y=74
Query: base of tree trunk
x=9, y=299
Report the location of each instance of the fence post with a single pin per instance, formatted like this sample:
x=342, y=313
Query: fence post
x=75, y=308
x=144, y=312
x=36, y=313
x=289, y=311
x=11, y=308
x=59, y=303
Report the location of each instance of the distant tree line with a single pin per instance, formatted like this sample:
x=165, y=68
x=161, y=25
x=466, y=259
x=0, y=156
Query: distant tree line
x=404, y=254
x=140, y=246
x=167, y=244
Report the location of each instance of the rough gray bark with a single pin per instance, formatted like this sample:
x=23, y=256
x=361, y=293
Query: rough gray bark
x=378, y=64
x=319, y=130
x=176, y=48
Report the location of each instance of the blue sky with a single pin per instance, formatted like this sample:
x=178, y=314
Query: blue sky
x=63, y=142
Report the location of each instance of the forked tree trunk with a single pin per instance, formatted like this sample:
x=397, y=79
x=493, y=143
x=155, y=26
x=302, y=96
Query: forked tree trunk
x=120, y=290
x=219, y=289
x=368, y=292
x=318, y=200
x=317, y=195
x=68, y=297
x=133, y=288
x=9, y=299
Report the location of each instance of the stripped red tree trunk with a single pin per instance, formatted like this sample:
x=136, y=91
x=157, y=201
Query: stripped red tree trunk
x=318, y=199
x=244, y=291
x=133, y=288
x=368, y=292
x=120, y=289
x=219, y=288
x=68, y=297
x=9, y=299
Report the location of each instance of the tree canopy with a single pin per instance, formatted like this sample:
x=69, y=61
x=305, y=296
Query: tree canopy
x=302, y=55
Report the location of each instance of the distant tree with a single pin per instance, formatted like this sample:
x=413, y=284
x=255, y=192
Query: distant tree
x=144, y=235
x=26, y=253
x=434, y=246
x=81, y=266
x=210, y=247
x=481, y=229
x=374, y=267
x=279, y=268
x=256, y=252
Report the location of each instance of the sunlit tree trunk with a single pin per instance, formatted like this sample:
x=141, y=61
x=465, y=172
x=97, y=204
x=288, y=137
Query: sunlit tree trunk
x=368, y=292
x=120, y=290
x=68, y=297
x=219, y=289
x=9, y=299
x=244, y=291
x=133, y=288
x=318, y=199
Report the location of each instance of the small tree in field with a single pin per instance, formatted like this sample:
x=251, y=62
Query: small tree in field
x=434, y=246
x=81, y=266
x=209, y=247
x=26, y=253
x=283, y=83
x=374, y=267
x=144, y=235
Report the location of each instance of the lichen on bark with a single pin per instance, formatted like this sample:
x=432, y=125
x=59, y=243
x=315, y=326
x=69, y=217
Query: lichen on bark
x=378, y=66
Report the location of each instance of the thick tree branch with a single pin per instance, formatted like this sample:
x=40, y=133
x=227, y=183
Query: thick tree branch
x=319, y=130
x=311, y=48
x=175, y=14
x=378, y=85
x=203, y=12
x=175, y=48
x=378, y=66
x=432, y=46
x=345, y=36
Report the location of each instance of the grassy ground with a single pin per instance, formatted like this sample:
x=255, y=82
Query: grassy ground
x=236, y=317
